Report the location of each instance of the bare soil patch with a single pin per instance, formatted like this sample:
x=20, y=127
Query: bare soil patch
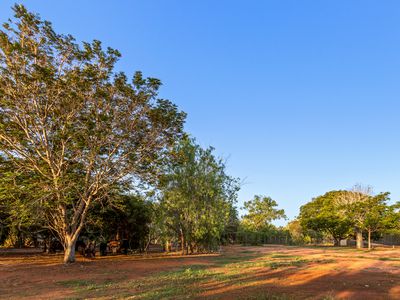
x=267, y=272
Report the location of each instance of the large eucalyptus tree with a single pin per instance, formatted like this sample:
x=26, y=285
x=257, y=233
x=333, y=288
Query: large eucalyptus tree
x=80, y=127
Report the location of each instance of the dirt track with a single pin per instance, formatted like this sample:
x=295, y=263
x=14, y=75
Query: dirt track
x=249, y=273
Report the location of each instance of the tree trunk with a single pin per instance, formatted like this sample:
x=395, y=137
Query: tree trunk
x=359, y=239
x=45, y=249
x=183, y=243
x=69, y=250
x=369, y=239
x=167, y=246
x=336, y=242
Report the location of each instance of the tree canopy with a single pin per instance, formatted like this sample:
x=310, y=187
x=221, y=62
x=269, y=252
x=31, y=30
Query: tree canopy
x=260, y=212
x=323, y=214
x=78, y=126
x=347, y=212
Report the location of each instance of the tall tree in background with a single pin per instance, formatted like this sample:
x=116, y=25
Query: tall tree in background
x=261, y=211
x=21, y=210
x=78, y=126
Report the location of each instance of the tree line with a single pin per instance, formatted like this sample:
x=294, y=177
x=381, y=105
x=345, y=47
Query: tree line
x=86, y=151
x=356, y=212
x=83, y=147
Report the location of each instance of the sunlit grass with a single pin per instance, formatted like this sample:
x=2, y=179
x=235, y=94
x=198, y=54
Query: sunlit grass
x=191, y=281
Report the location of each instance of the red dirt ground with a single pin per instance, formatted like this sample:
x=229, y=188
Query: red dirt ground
x=330, y=273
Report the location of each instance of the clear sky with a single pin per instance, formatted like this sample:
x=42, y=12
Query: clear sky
x=302, y=97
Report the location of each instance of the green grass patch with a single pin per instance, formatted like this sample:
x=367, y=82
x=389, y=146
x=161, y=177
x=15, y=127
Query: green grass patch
x=226, y=260
x=379, y=258
x=179, y=284
x=276, y=264
x=82, y=286
x=75, y=283
x=285, y=264
x=282, y=255
x=389, y=258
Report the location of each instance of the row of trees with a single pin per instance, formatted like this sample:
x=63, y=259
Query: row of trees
x=337, y=215
x=85, y=151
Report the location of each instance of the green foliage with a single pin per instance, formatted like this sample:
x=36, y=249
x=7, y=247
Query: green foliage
x=20, y=216
x=197, y=198
x=373, y=214
x=229, y=235
x=129, y=218
x=255, y=227
x=322, y=214
x=340, y=213
x=261, y=211
x=268, y=235
x=298, y=235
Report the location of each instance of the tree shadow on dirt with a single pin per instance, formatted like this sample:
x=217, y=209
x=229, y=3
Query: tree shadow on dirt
x=299, y=283
x=246, y=274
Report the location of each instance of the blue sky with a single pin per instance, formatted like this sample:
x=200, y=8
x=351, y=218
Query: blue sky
x=302, y=97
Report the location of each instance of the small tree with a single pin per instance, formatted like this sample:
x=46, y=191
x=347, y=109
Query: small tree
x=378, y=215
x=81, y=128
x=196, y=197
